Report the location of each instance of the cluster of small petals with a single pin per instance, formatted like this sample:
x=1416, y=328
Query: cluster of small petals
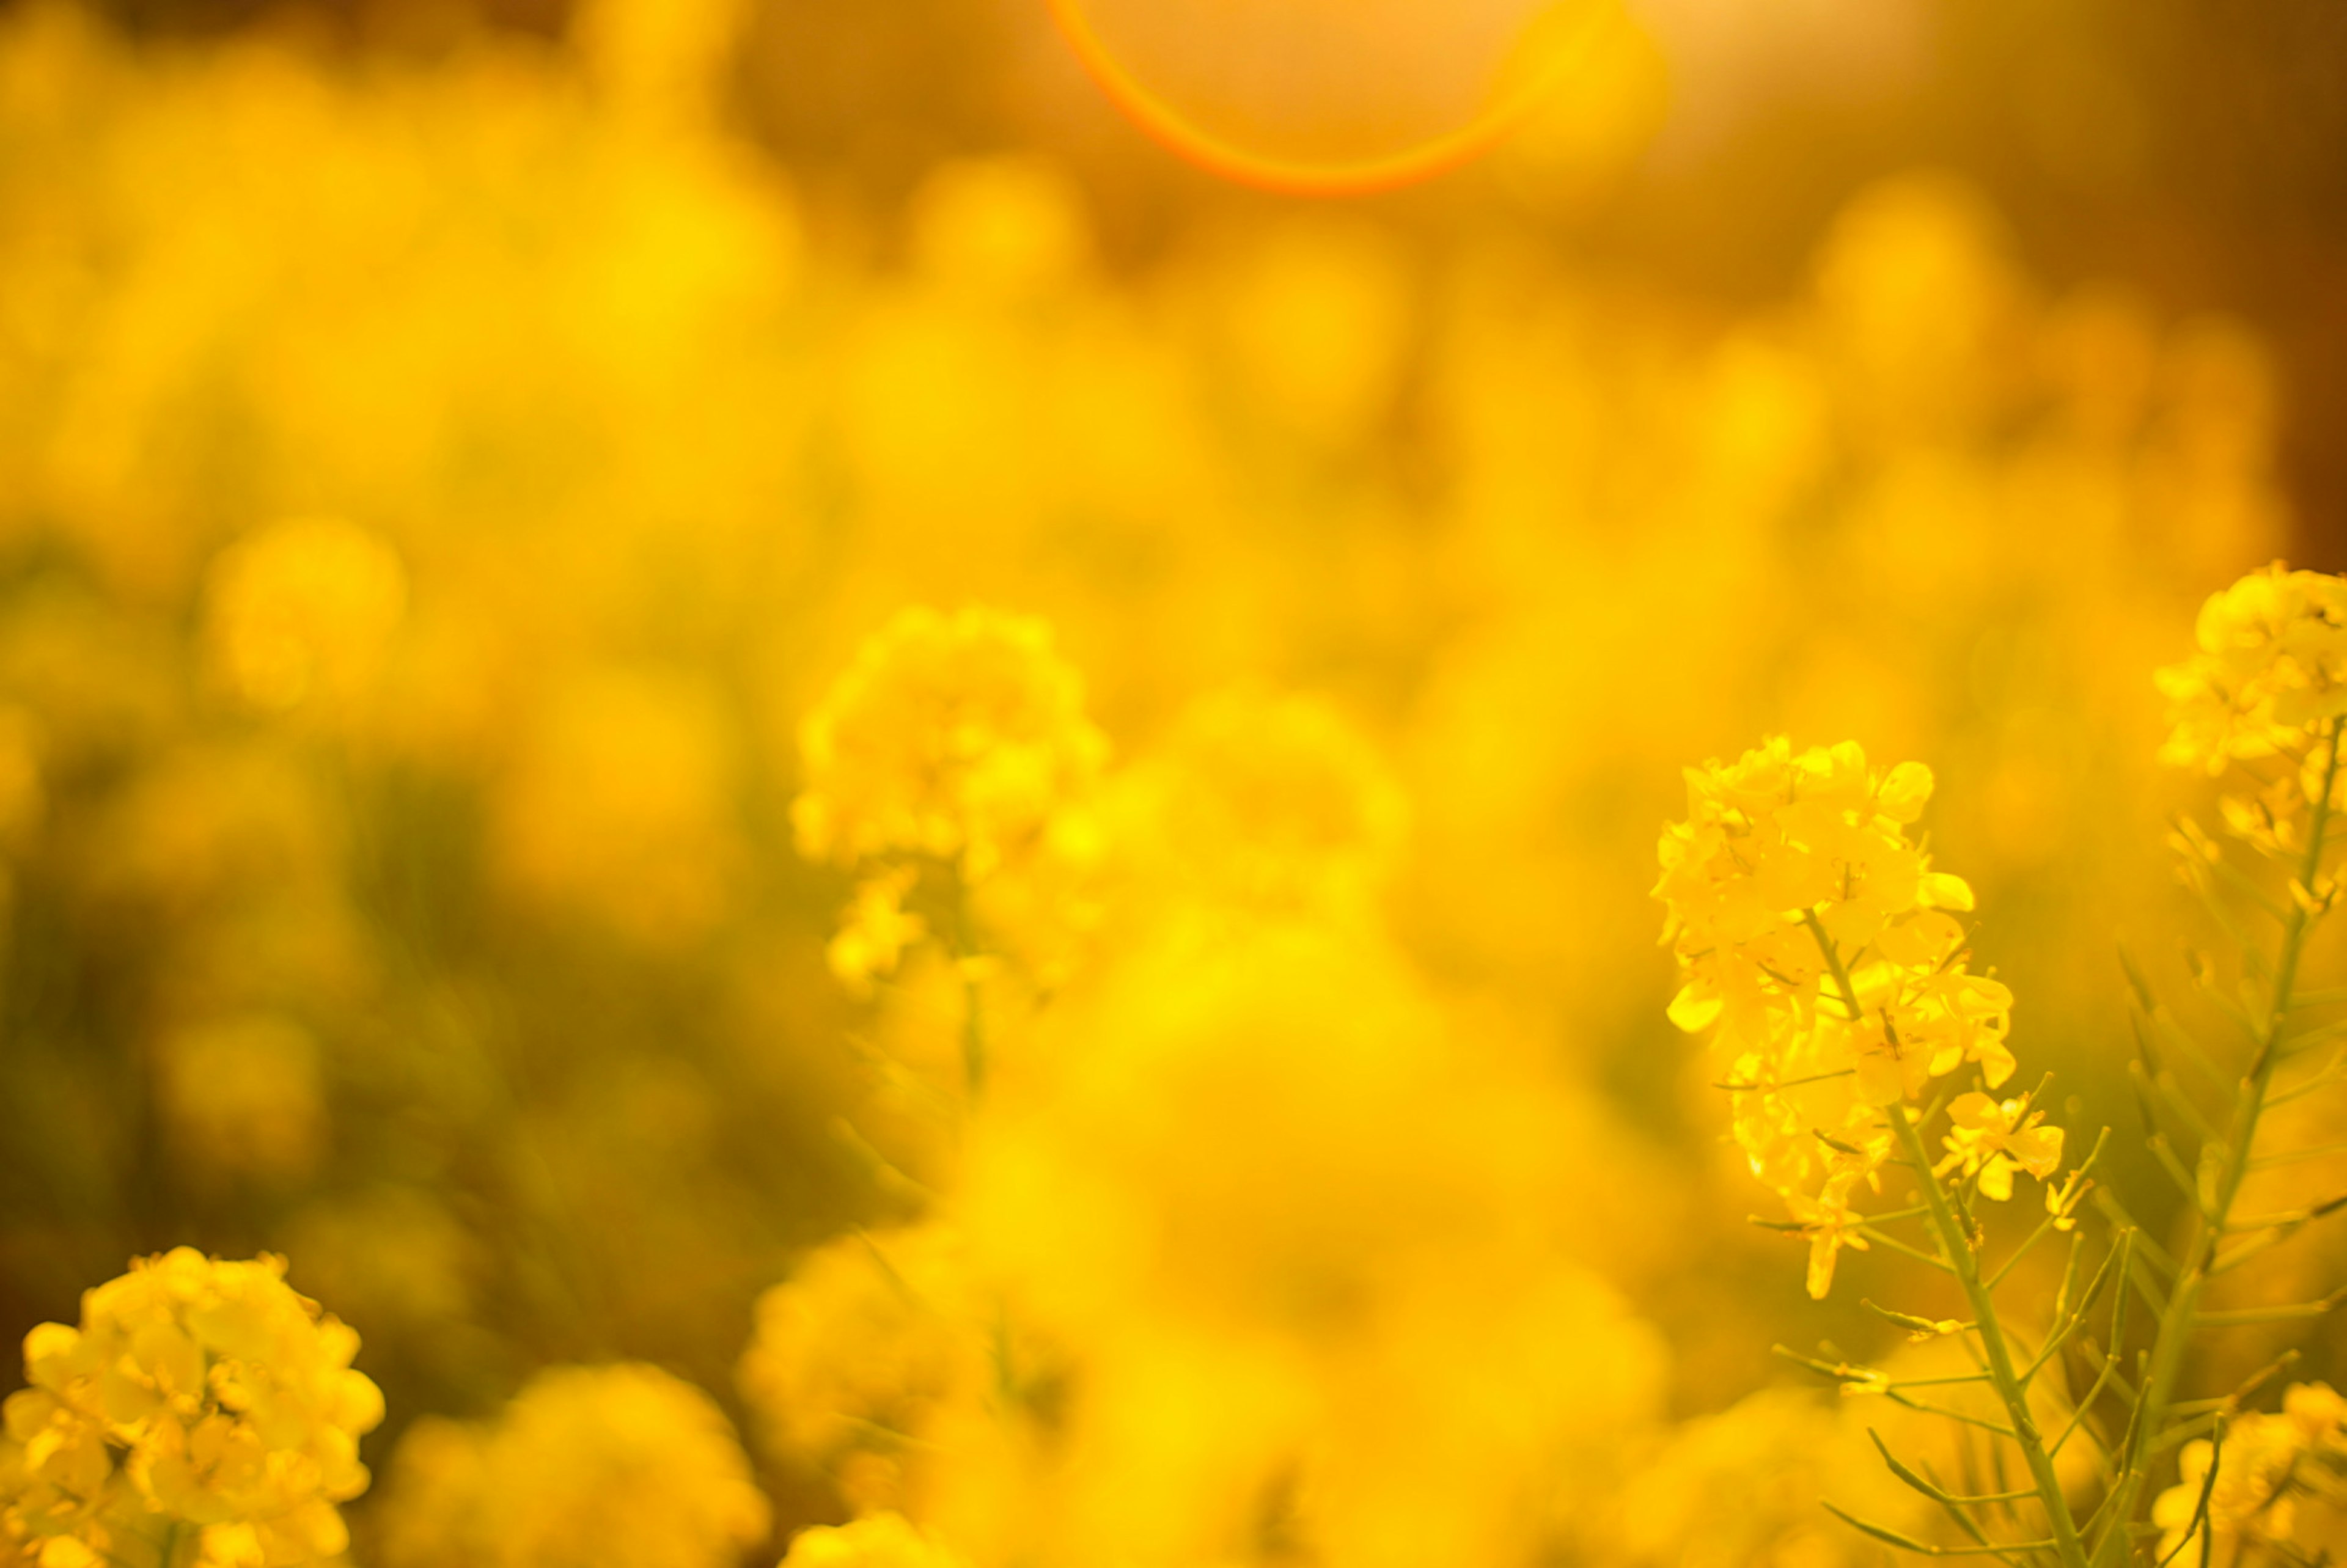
x=958, y=741
x=2269, y=670
x=1991, y=1138
x=1831, y=1224
x=195, y=1393
x=961, y=738
x=2264, y=1464
x=1783, y=856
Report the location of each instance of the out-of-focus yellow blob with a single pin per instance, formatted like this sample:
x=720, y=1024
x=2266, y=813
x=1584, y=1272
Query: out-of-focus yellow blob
x=1003, y=228
x=1920, y=302
x=1264, y=802
x=659, y=55
x=621, y=798
x=857, y=1353
x=1329, y=98
x=1318, y=321
x=590, y=1467
x=1292, y=1236
x=303, y=610
x=243, y=1097
x=883, y=1542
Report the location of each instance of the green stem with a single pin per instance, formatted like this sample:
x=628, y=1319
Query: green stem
x=973, y=1000
x=1956, y=1242
x=973, y=1036
x=2199, y=1253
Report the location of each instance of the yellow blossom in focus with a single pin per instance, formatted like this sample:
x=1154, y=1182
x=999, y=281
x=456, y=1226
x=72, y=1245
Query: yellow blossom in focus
x=1992, y=1139
x=1831, y=1224
x=621, y=1466
x=2270, y=667
x=1815, y=942
x=197, y=1394
x=302, y=612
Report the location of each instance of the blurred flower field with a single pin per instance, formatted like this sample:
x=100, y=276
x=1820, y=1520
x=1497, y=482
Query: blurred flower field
x=925, y=898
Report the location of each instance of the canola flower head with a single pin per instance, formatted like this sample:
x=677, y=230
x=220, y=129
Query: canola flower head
x=2265, y=1464
x=1820, y=949
x=589, y=1466
x=194, y=1392
x=956, y=744
x=2269, y=669
x=854, y=1356
x=960, y=737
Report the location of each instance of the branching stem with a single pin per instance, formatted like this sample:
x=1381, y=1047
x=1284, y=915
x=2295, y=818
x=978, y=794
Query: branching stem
x=2198, y=1257
x=1956, y=1243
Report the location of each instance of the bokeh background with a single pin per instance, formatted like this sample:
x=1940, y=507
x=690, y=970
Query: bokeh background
x=447, y=449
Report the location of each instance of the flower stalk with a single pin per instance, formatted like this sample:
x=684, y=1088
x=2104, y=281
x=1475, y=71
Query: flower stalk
x=1959, y=1247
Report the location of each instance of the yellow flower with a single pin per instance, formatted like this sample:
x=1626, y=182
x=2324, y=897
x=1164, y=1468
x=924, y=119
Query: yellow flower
x=2271, y=668
x=302, y=612
x=1993, y=1140
x=854, y=1355
x=1831, y=1224
x=195, y=1393
x=961, y=740
x=959, y=737
x=588, y=1466
x=2264, y=1463
x=1815, y=942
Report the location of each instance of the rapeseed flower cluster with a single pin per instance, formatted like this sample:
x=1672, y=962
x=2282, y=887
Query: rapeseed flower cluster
x=857, y=1359
x=957, y=742
x=588, y=1467
x=456, y=504
x=2265, y=685
x=1024, y=1374
x=201, y=1413
x=2277, y=1484
x=1821, y=949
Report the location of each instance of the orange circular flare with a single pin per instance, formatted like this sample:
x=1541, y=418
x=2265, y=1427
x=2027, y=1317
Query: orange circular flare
x=1526, y=66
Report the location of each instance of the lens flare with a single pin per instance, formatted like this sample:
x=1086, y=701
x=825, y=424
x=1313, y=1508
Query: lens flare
x=1329, y=98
